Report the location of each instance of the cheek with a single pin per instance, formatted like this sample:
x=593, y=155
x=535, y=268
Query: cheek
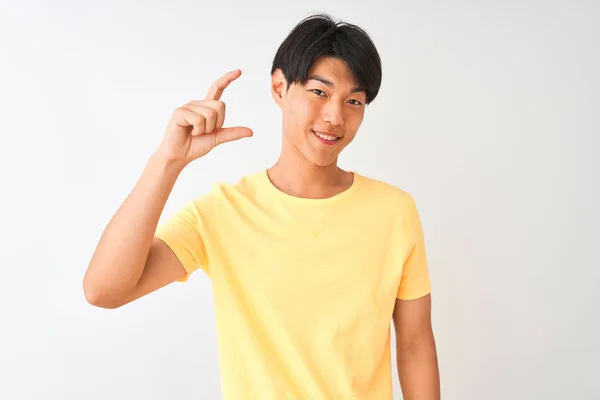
x=301, y=113
x=355, y=120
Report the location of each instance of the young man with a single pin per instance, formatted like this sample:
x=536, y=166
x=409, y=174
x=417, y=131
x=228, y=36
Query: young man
x=308, y=262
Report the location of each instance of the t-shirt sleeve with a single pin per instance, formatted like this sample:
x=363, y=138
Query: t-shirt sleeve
x=187, y=233
x=415, y=282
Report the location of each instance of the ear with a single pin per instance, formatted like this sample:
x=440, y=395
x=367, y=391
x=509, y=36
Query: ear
x=278, y=86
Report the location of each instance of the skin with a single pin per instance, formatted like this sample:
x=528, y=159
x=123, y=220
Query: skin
x=416, y=354
x=306, y=167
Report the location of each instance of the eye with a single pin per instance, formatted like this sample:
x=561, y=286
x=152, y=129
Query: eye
x=356, y=102
x=318, y=92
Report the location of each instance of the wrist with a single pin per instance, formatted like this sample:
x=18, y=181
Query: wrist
x=166, y=164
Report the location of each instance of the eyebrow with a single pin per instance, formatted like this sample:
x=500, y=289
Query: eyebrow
x=330, y=84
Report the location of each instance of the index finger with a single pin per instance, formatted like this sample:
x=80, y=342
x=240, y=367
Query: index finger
x=216, y=90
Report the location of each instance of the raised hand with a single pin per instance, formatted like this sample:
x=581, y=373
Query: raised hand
x=197, y=127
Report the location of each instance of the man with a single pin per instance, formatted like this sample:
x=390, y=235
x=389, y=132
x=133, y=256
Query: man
x=309, y=263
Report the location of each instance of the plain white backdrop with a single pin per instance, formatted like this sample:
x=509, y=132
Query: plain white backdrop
x=488, y=116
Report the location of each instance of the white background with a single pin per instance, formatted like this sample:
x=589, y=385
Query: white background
x=488, y=116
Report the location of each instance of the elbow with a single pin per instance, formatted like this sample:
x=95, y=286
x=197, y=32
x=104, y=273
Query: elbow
x=96, y=296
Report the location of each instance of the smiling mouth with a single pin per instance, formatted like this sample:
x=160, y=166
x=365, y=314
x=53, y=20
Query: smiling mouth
x=327, y=138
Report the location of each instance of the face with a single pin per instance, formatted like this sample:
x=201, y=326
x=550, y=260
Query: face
x=321, y=117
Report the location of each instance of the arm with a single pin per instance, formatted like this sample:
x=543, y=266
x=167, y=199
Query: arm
x=125, y=265
x=129, y=261
x=416, y=353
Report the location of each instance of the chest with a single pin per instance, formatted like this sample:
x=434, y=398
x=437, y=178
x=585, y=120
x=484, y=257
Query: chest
x=322, y=259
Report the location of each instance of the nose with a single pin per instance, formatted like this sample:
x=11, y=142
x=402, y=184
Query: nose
x=333, y=113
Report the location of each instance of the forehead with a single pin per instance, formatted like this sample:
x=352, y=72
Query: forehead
x=334, y=70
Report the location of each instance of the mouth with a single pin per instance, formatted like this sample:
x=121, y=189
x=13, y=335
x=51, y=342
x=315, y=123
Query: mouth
x=327, y=139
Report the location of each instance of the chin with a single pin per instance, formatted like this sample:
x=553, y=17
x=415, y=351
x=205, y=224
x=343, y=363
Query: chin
x=313, y=153
x=319, y=161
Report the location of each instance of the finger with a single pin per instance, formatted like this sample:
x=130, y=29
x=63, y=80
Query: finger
x=224, y=135
x=210, y=115
x=199, y=127
x=185, y=117
x=221, y=84
x=216, y=105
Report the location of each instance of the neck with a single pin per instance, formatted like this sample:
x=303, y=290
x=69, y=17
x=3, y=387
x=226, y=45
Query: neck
x=295, y=175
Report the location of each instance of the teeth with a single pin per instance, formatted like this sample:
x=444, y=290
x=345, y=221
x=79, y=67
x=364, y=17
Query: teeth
x=326, y=137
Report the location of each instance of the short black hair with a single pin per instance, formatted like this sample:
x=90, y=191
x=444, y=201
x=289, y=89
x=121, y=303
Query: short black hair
x=320, y=36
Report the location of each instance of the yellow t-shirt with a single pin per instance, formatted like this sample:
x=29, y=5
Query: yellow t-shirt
x=304, y=289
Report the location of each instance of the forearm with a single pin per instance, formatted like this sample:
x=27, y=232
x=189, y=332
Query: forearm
x=418, y=371
x=118, y=261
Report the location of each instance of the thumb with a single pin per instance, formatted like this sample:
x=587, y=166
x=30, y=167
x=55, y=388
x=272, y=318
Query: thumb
x=230, y=134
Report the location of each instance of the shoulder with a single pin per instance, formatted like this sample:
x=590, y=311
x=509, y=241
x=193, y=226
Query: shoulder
x=393, y=204
x=391, y=194
x=247, y=186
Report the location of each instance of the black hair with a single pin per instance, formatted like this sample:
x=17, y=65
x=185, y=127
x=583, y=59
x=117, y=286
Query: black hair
x=320, y=36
